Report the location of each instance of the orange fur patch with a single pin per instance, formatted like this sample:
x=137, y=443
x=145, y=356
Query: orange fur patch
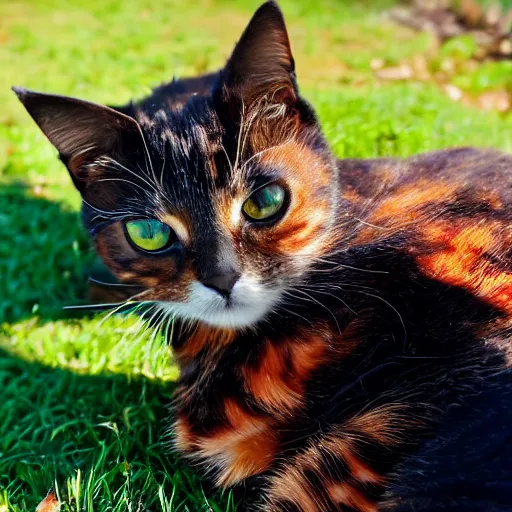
x=292, y=486
x=361, y=471
x=306, y=220
x=246, y=448
x=459, y=261
x=202, y=337
x=385, y=425
x=278, y=387
x=406, y=204
x=403, y=207
x=345, y=494
x=183, y=439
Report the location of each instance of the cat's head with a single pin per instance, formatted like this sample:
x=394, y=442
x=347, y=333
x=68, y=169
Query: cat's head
x=217, y=208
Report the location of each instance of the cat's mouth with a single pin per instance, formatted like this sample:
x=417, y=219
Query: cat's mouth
x=248, y=303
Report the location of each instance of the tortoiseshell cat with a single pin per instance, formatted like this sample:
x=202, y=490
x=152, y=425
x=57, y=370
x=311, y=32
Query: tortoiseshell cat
x=345, y=324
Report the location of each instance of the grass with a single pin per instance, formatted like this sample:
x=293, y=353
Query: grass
x=84, y=400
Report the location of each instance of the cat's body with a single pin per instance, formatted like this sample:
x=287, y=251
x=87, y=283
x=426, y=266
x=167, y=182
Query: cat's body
x=347, y=352
x=411, y=316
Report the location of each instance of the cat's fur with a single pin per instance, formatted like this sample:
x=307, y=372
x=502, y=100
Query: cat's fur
x=362, y=360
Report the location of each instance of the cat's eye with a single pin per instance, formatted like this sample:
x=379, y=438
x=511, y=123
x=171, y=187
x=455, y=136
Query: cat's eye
x=265, y=203
x=149, y=234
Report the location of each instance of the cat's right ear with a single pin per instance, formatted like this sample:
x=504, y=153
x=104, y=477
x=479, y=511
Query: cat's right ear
x=81, y=131
x=262, y=65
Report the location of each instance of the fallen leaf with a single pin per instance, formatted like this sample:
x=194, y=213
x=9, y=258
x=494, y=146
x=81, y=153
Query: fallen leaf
x=454, y=93
x=499, y=101
x=402, y=72
x=49, y=504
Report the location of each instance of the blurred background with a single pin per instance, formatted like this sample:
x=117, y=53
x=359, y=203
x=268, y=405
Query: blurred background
x=83, y=402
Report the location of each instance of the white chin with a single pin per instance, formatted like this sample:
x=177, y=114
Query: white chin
x=249, y=303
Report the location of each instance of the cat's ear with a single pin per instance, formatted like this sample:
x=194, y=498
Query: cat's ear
x=81, y=131
x=261, y=64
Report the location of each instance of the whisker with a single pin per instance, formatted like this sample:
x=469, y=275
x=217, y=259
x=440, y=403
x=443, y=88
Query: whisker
x=113, y=285
x=92, y=307
x=316, y=302
x=340, y=299
x=338, y=265
x=239, y=137
x=125, y=181
x=148, y=155
x=115, y=165
x=391, y=306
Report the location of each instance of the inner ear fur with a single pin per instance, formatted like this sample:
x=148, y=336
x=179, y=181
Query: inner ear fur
x=261, y=67
x=82, y=131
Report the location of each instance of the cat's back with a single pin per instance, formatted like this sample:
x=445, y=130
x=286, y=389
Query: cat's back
x=439, y=225
x=456, y=170
x=444, y=216
x=463, y=188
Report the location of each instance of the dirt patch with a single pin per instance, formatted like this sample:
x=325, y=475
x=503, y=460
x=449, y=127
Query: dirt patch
x=471, y=49
x=489, y=27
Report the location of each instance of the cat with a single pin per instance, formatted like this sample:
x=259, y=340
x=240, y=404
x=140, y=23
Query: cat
x=343, y=326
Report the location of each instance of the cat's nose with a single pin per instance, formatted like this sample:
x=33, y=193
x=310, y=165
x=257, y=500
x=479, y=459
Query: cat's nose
x=222, y=283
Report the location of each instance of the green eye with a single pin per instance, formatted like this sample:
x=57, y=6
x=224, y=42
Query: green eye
x=265, y=202
x=148, y=234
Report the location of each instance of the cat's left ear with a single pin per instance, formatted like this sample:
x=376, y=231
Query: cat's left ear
x=262, y=65
x=82, y=131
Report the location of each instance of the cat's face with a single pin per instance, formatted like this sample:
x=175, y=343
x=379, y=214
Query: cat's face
x=217, y=209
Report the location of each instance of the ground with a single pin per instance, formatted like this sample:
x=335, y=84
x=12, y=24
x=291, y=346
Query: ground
x=83, y=402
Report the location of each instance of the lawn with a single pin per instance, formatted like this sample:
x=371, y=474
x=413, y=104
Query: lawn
x=84, y=400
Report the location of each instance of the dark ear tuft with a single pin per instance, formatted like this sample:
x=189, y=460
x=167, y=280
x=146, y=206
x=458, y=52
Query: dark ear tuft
x=81, y=131
x=262, y=62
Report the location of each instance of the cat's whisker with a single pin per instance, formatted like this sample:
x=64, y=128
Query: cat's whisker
x=111, y=163
x=153, y=184
x=337, y=265
x=231, y=169
x=106, y=212
x=239, y=138
x=154, y=326
x=339, y=299
x=162, y=173
x=246, y=135
x=92, y=307
x=362, y=290
x=119, y=308
x=263, y=151
x=378, y=297
x=128, y=302
x=113, y=285
x=294, y=313
x=131, y=183
x=148, y=155
x=312, y=299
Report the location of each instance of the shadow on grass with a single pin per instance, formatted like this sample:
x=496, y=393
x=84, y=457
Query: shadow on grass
x=102, y=440
x=45, y=256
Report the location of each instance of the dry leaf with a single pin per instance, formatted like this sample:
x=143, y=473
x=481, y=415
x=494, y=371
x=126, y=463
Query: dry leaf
x=49, y=504
x=499, y=101
x=402, y=72
x=446, y=19
x=454, y=93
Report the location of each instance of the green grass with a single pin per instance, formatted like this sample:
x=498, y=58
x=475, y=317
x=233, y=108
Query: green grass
x=84, y=401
